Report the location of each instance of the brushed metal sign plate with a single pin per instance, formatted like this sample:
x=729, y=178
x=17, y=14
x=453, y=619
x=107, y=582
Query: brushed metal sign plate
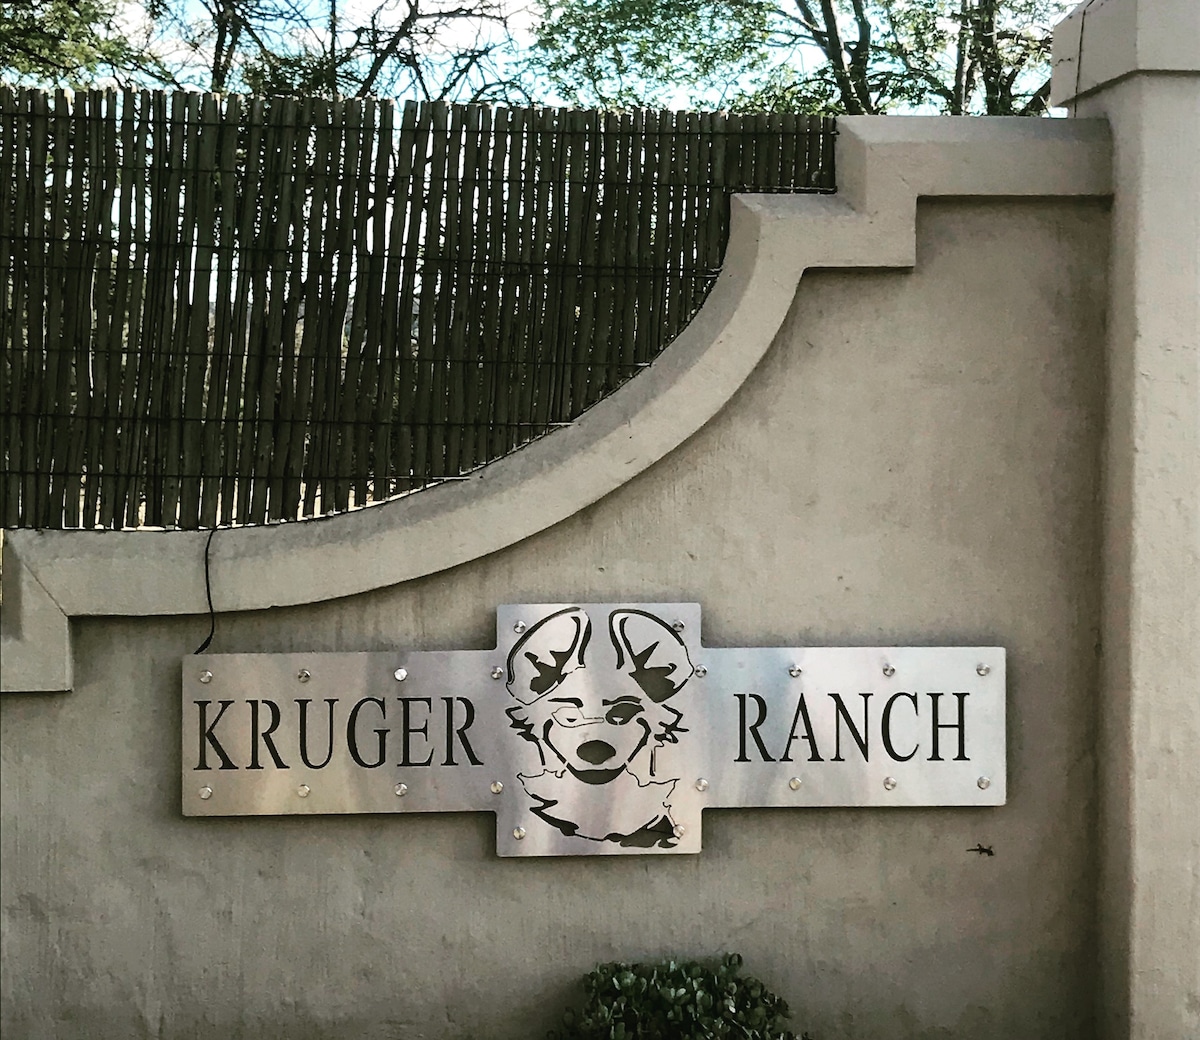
x=593, y=729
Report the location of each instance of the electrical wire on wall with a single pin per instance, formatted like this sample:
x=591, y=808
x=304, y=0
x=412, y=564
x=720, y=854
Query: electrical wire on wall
x=212, y=614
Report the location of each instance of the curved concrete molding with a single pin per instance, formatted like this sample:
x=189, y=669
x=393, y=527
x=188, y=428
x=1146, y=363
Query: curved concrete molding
x=884, y=164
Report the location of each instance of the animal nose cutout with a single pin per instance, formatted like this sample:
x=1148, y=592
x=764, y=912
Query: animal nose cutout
x=650, y=652
x=596, y=752
x=549, y=652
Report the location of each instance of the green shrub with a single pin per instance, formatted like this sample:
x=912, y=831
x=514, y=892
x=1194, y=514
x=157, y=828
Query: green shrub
x=674, y=1000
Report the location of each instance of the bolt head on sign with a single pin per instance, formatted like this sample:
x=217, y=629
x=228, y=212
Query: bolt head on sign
x=585, y=728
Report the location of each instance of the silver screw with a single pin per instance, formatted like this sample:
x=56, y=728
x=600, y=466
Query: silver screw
x=205, y=792
x=983, y=783
x=888, y=670
x=518, y=833
x=889, y=783
x=497, y=672
x=794, y=783
x=794, y=671
x=519, y=627
x=303, y=790
x=700, y=671
x=206, y=676
x=401, y=790
x=701, y=784
x=677, y=830
x=303, y=675
x=982, y=669
x=400, y=674
x=678, y=626
x=497, y=787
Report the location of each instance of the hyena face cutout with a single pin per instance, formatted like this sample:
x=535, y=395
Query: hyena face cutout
x=597, y=713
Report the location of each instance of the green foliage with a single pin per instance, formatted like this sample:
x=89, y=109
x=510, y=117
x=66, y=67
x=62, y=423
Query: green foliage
x=65, y=42
x=839, y=56
x=674, y=1000
x=648, y=53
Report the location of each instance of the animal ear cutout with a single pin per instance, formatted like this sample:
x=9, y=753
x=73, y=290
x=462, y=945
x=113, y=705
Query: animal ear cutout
x=548, y=653
x=651, y=652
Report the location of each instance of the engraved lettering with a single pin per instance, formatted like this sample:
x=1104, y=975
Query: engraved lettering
x=256, y=734
x=407, y=729
x=801, y=716
x=752, y=729
x=304, y=703
x=209, y=739
x=461, y=731
x=860, y=737
x=886, y=726
x=352, y=734
x=960, y=725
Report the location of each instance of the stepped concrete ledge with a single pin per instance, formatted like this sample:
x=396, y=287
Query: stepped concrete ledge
x=884, y=164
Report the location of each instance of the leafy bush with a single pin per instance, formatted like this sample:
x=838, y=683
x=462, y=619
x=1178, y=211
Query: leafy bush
x=671, y=1000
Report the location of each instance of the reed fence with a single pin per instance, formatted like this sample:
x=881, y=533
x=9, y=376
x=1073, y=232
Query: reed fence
x=221, y=310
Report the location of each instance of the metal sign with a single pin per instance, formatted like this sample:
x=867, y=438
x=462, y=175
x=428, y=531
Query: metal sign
x=593, y=729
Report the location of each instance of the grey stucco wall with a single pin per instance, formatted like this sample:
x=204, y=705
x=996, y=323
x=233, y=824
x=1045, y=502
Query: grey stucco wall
x=915, y=462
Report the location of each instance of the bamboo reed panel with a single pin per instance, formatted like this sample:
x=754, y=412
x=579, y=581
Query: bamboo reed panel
x=603, y=301
x=409, y=342
x=34, y=383
x=531, y=379
x=135, y=126
x=57, y=363
x=474, y=289
x=224, y=177
x=13, y=142
x=201, y=217
x=489, y=277
x=449, y=406
x=89, y=314
x=280, y=309
x=427, y=436
x=323, y=231
x=275, y=449
x=108, y=328
x=626, y=259
x=225, y=310
x=453, y=298
x=303, y=491
x=510, y=298
x=568, y=320
x=582, y=339
x=346, y=362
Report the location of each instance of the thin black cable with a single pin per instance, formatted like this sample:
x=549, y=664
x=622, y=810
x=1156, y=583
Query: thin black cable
x=212, y=614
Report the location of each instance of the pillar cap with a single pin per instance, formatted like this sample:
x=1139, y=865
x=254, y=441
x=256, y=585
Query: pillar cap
x=1103, y=41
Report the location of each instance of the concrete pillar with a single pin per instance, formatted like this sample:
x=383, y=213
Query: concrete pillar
x=1137, y=62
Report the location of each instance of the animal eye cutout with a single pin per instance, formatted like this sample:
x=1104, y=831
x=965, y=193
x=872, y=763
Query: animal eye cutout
x=626, y=711
x=570, y=716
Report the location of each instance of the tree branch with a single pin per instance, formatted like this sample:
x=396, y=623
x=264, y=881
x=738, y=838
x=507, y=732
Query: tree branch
x=1038, y=102
x=837, y=60
x=390, y=50
x=860, y=56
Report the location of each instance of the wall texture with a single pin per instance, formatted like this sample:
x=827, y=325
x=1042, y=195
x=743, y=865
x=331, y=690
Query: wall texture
x=1136, y=63
x=915, y=461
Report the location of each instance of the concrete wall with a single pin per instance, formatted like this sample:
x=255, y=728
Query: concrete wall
x=1136, y=63
x=915, y=460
